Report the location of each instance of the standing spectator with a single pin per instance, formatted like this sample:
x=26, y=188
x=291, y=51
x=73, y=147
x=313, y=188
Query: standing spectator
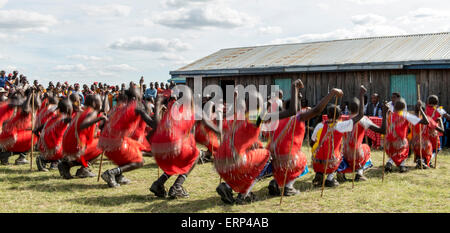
x=77, y=91
x=151, y=92
x=3, y=79
x=374, y=106
x=161, y=85
x=158, y=90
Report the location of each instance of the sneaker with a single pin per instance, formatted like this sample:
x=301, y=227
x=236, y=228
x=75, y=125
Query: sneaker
x=274, y=190
x=318, y=179
x=359, y=177
x=21, y=160
x=226, y=193
x=4, y=158
x=40, y=163
x=403, y=169
x=177, y=191
x=331, y=184
x=290, y=191
x=158, y=189
x=84, y=172
x=388, y=167
x=341, y=177
x=122, y=180
x=110, y=179
x=64, y=170
x=241, y=200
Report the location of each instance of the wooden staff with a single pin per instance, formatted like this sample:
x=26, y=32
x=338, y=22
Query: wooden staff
x=435, y=156
x=354, y=157
x=329, y=148
x=32, y=128
x=287, y=166
x=384, y=155
x=100, y=167
x=420, y=129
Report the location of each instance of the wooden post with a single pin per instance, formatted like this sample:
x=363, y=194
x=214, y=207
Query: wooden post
x=100, y=167
x=329, y=148
x=32, y=129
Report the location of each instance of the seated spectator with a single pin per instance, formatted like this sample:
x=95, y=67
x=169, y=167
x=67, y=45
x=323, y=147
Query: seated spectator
x=374, y=106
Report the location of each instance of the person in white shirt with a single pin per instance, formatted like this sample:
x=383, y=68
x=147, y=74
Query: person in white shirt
x=331, y=134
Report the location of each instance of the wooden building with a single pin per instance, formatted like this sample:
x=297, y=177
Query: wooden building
x=383, y=64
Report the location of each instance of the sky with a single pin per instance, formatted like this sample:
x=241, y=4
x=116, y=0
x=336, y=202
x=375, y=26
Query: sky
x=119, y=41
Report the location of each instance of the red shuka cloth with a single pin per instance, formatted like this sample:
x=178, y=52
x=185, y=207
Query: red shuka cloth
x=241, y=156
x=173, y=144
x=286, y=150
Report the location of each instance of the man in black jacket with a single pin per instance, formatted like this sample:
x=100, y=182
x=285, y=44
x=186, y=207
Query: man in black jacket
x=374, y=106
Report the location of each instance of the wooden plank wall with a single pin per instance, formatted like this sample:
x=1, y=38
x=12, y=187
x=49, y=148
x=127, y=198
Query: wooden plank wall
x=318, y=84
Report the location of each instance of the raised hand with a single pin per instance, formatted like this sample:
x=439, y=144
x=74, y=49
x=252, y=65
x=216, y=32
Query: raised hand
x=363, y=90
x=337, y=92
x=299, y=84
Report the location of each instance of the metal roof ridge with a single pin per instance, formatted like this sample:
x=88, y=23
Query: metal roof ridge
x=337, y=40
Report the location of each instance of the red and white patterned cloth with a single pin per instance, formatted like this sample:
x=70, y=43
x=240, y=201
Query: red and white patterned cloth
x=376, y=137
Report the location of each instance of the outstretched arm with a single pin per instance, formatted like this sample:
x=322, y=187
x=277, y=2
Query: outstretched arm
x=321, y=106
x=424, y=120
x=91, y=119
x=206, y=119
x=146, y=118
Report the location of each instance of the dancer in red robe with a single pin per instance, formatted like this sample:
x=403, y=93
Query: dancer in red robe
x=422, y=141
x=436, y=113
x=205, y=135
x=116, y=139
x=326, y=141
x=242, y=157
x=173, y=143
x=288, y=161
x=16, y=133
x=52, y=132
x=397, y=147
x=354, y=151
x=80, y=141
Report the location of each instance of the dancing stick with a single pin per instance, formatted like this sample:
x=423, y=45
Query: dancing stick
x=384, y=155
x=100, y=168
x=32, y=129
x=437, y=150
x=329, y=149
x=354, y=157
x=420, y=129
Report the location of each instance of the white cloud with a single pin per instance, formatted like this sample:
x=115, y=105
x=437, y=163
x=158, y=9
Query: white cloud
x=10, y=68
x=323, y=6
x=270, y=30
x=89, y=58
x=371, y=2
x=423, y=15
x=150, y=44
x=121, y=67
x=8, y=37
x=19, y=20
x=358, y=31
x=214, y=15
x=70, y=68
x=112, y=10
x=3, y=2
x=368, y=19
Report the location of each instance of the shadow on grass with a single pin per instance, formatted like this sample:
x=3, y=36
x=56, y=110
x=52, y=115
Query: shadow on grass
x=21, y=179
x=150, y=165
x=191, y=206
x=25, y=169
x=69, y=187
x=111, y=201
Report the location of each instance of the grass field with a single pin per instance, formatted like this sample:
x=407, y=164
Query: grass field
x=22, y=190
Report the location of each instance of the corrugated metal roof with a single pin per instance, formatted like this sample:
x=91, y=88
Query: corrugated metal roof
x=417, y=49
